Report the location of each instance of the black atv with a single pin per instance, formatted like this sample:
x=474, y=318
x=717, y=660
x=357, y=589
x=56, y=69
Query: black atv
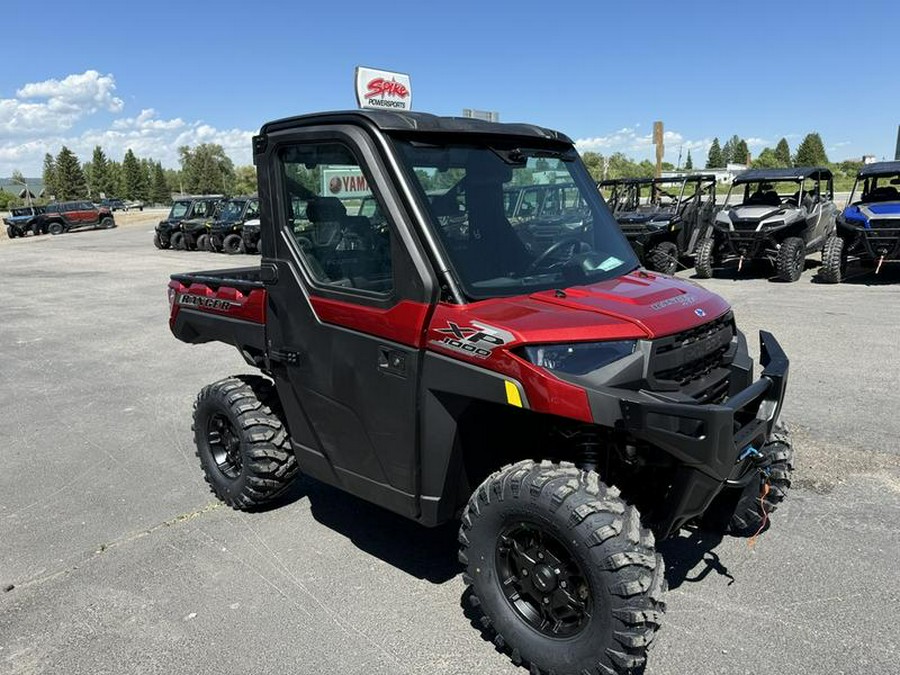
x=225, y=232
x=779, y=215
x=22, y=220
x=664, y=218
x=169, y=232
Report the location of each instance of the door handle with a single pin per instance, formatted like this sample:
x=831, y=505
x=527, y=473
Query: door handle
x=392, y=361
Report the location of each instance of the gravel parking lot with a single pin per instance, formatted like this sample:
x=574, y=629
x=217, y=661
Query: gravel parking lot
x=115, y=558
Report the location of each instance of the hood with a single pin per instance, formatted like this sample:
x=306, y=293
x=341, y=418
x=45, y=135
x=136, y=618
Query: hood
x=755, y=212
x=639, y=305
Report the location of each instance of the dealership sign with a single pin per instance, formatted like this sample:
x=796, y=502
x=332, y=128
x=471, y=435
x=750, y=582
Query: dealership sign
x=382, y=89
x=344, y=182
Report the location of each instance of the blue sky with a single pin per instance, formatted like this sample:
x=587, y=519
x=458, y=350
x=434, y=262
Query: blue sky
x=158, y=75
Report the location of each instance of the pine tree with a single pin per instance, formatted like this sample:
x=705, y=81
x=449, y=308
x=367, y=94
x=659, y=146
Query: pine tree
x=133, y=176
x=783, y=153
x=742, y=152
x=689, y=163
x=101, y=182
x=49, y=176
x=714, y=158
x=159, y=193
x=70, y=182
x=811, y=151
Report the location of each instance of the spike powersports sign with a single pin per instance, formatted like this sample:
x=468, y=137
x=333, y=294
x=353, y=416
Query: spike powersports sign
x=382, y=89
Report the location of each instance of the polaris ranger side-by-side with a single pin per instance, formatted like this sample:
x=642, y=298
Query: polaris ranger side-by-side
x=568, y=406
x=779, y=215
x=868, y=231
x=226, y=232
x=664, y=218
x=169, y=233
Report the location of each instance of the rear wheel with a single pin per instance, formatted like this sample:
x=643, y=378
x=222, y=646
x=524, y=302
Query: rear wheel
x=791, y=259
x=566, y=578
x=203, y=242
x=834, y=261
x=664, y=257
x=241, y=440
x=55, y=228
x=177, y=241
x=704, y=258
x=233, y=244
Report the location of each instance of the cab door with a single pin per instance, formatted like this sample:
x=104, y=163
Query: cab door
x=347, y=313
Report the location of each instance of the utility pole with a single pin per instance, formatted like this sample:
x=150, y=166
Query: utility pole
x=660, y=147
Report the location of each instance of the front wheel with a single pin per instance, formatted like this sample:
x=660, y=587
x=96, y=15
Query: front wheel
x=11, y=233
x=704, y=258
x=107, y=223
x=232, y=244
x=745, y=512
x=663, y=258
x=834, y=261
x=177, y=241
x=791, y=259
x=242, y=443
x=566, y=577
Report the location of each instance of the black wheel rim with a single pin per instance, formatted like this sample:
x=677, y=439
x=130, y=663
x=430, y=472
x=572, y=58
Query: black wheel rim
x=224, y=445
x=542, y=581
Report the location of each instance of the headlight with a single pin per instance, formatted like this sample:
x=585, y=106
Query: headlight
x=773, y=224
x=579, y=358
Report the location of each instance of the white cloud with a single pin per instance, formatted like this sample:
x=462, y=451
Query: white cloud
x=47, y=115
x=627, y=140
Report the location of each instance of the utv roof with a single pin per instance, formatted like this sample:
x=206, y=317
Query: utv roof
x=417, y=121
x=796, y=173
x=879, y=169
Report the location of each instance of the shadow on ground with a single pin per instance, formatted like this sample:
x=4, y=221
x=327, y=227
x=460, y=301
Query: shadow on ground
x=423, y=552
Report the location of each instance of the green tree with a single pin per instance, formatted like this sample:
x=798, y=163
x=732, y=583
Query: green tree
x=593, y=161
x=741, y=152
x=689, y=163
x=206, y=169
x=135, y=178
x=783, y=152
x=714, y=158
x=159, y=192
x=70, y=182
x=245, y=180
x=101, y=180
x=767, y=159
x=811, y=151
x=49, y=176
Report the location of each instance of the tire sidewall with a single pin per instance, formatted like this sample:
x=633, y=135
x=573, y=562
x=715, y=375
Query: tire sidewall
x=55, y=228
x=227, y=489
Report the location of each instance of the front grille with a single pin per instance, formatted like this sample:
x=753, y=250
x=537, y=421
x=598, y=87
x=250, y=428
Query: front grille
x=745, y=225
x=697, y=361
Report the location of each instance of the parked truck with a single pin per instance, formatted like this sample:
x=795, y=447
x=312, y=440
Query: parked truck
x=570, y=408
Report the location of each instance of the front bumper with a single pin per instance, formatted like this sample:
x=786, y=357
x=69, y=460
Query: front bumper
x=747, y=243
x=712, y=442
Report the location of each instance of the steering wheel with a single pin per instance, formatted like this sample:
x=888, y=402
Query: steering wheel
x=578, y=246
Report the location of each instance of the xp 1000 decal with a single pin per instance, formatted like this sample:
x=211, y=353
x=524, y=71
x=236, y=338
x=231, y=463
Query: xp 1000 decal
x=477, y=339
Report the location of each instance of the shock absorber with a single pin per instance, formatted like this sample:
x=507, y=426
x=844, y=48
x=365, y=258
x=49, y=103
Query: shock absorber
x=587, y=443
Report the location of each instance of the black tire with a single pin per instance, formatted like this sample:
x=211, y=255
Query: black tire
x=233, y=244
x=176, y=241
x=107, y=223
x=745, y=512
x=55, y=228
x=157, y=242
x=834, y=262
x=203, y=242
x=663, y=258
x=601, y=577
x=791, y=260
x=241, y=441
x=11, y=233
x=703, y=262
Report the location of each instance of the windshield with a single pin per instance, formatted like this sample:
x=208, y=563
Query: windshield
x=879, y=189
x=232, y=210
x=179, y=209
x=772, y=193
x=517, y=220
